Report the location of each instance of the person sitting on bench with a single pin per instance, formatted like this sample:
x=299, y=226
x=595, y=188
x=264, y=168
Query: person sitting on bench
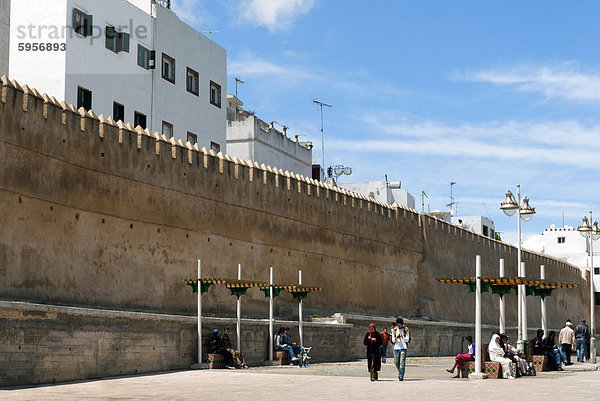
x=236, y=356
x=216, y=346
x=460, y=359
x=540, y=348
x=282, y=344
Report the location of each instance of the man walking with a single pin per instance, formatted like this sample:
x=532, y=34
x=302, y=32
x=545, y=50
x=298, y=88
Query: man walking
x=566, y=339
x=400, y=339
x=582, y=335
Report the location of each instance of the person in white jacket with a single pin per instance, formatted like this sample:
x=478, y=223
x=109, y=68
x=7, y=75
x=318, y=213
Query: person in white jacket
x=496, y=352
x=400, y=339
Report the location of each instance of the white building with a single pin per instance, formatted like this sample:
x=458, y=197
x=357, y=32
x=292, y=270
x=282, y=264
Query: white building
x=567, y=244
x=478, y=224
x=386, y=192
x=250, y=138
x=134, y=60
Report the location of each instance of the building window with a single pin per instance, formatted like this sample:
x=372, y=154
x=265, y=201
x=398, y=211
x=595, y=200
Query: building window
x=192, y=138
x=215, y=94
x=486, y=231
x=146, y=57
x=597, y=298
x=84, y=98
x=193, y=80
x=118, y=112
x=82, y=23
x=139, y=119
x=168, y=68
x=117, y=41
x=561, y=240
x=596, y=270
x=167, y=129
x=215, y=146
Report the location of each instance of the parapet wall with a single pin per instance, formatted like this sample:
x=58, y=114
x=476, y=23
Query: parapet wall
x=99, y=214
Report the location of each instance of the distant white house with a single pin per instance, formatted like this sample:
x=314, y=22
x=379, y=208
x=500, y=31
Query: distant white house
x=386, y=192
x=250, y=138
x=133, y=60
x=567, y=244
x=478, y=224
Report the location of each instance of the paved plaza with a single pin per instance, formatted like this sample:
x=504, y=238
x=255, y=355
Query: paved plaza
x=426, y=379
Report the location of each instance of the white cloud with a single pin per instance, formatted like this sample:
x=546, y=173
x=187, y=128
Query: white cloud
x=275, y=14
x=191, y=11
x=565, y=81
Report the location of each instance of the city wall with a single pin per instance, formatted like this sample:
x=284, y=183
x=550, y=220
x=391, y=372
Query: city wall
x=100, y=215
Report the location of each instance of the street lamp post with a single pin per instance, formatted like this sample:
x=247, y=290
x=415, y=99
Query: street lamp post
x=591, y=233
x=525, y=212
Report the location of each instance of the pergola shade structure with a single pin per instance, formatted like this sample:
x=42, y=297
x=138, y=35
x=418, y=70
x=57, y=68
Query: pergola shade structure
x=503, y=285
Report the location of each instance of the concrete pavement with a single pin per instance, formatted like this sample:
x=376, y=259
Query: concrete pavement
x=426, y=379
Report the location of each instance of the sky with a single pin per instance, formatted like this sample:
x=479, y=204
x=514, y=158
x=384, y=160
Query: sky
x=485, y=94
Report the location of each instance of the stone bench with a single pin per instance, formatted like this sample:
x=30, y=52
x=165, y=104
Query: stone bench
x=493, y=370
x=540, y=363
x=216, y=361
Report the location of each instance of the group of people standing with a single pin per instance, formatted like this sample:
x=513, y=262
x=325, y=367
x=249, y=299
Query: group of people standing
x=377, y=343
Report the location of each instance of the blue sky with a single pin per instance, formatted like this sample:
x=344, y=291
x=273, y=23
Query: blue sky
x=486, y=94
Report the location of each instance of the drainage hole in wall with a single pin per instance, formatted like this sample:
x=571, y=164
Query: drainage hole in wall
x=289, y=254
x=23, y=129
x=69, y=349
x=185, y=174
x=19, y=347
x=131, y=226
x=217, y=185
x=289, y=200
x=271, y=250
x=77, y=216
x=321, y=258
x=103, y=221
x=102, y=154
x=257, y=193
x=209, y=240
x=20, y=200
x=148, y=166
x=158, y=231
x=251, y=246
x=187, y=236
x=64, y=141
x=51, y=208
x=231, y=244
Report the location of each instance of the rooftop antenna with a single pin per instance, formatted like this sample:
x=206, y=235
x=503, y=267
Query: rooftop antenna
x=486, y=211
x=321, y=104
x=210, y=33
x=236, y=84
x=452, y=203
x=423, y=196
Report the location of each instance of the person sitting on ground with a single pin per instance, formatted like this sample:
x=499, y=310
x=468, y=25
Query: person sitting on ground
x=496, y=351
x=460, y=359
x=236, y=356
x=553, y=351
x=373, y=343
x=517, y=356
x=216, y=346
x=385, y=340
x=280, y=345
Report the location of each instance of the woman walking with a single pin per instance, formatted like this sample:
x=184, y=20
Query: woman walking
x=373, y=343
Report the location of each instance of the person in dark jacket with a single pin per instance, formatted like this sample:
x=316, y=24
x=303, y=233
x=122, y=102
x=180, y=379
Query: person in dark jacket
x=216, y=346
x=551, y=351
x=582, y=336
x=373, y=343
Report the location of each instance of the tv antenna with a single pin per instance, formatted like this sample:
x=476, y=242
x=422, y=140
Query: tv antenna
x=210, y=33
x=236, y=84
x=423, y=196
x=452, y=202
x=321, y=104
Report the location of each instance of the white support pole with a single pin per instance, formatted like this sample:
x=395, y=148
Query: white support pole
x=524, y=305
x=592, y=301
x=477, y=374
x=239, y=314
x=520, y=288
x=199, y=312
x=543, y=300
x=300, y=312
x=502, y=306
x=271, y=314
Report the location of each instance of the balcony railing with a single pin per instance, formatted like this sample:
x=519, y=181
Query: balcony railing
x=164, y=3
